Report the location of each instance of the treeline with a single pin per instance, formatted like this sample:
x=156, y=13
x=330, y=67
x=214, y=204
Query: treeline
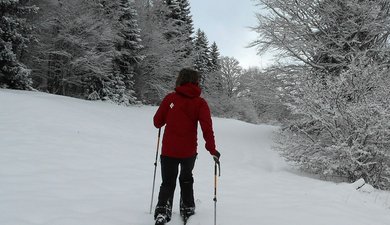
x=127, y=52
x=122, y=51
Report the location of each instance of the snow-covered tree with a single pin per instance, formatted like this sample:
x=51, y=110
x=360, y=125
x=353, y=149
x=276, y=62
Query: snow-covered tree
x=179, y=30
x=174, y=13
x=185, y=11
x=344, y=130
x=158, y=70
x=224, y=91
x=166, y=28
x=322, y=34
x=128, y=56
x=15, y=35
x=112, y=9
x=76, y=49
x=231, y=74
x=341, y=52
x=266, y=88
x=213, y=83
x=188, y=25
x=202, y=54
x=214, y=57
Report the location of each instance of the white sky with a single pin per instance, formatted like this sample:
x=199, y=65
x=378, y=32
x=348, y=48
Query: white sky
x=227, y=23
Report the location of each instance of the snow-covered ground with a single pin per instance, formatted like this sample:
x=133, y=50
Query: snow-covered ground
x=65, y=161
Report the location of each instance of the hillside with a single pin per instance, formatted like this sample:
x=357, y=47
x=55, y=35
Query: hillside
x=66, y=161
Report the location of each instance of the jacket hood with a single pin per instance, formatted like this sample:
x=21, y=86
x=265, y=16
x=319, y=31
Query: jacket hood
x=189, y=90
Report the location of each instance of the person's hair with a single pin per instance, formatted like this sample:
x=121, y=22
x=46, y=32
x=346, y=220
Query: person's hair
x=187, y=75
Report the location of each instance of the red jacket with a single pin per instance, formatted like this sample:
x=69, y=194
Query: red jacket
x=180, y=111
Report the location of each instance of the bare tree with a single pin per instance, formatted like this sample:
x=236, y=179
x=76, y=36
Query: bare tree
x=322, y=34
x=267, y=90
x=231, y=72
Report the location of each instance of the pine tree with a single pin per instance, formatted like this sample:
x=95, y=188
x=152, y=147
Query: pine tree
x=188, y=27
x=179, y=30
x=214, y=84
x=175, y=16
x=112, y=9
x=214, y=57
x=15, y=35
x=202, y=55
x=128, y=49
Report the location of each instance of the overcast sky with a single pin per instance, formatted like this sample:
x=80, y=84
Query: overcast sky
x=226, y=22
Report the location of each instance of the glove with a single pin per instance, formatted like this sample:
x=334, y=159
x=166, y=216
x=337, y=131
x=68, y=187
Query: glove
x=216, y=156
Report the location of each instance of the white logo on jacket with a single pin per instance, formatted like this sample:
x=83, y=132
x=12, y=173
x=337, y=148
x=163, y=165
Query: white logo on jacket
x=171, y=105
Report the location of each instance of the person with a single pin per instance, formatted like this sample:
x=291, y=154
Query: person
x=180, y=112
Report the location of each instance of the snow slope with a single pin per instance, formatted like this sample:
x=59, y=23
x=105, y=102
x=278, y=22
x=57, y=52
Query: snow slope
x=65, y=161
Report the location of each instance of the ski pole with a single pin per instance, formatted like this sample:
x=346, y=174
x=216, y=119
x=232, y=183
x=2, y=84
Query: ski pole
x=155, y=167
x=215, y=189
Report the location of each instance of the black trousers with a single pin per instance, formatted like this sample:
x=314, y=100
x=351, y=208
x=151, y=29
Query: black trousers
x=169, y=172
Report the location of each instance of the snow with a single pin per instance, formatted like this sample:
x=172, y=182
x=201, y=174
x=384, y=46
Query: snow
x=66, y=161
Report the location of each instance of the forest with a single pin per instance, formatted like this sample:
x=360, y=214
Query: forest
x=126, y=52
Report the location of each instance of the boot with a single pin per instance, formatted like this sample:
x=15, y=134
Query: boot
x=161, y=219
x=163, y=212
x=186, y=211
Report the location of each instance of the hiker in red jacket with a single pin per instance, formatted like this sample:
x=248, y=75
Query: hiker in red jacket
x=181, y=111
